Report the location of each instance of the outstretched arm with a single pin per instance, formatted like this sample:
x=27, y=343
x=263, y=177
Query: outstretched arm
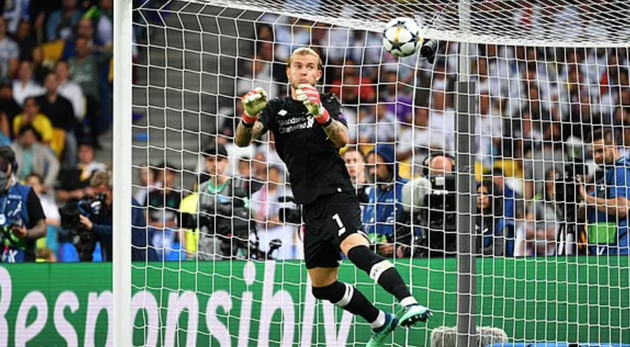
x=337, y=133
x=245, y=135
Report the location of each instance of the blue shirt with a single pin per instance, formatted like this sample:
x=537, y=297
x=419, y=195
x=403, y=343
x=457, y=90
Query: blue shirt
x=13, y=207
x=508, y=202
x=380, y=214
x=614, y=185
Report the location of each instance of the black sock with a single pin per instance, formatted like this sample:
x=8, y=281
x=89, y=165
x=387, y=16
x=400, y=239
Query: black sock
x=348, y=298
x=380, y=270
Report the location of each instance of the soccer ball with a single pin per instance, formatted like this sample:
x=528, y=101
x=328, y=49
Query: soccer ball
x=401, y=37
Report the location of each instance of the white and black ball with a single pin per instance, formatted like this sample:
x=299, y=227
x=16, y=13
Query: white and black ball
x=401, y=37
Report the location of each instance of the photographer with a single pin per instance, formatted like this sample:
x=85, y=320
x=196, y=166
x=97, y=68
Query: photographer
x=431, y=201
x=98, y=221
x=608, y=204
x=22, y=219
x=490, y=223
x=355, y=163
x=163, y=212
x=384, y=209
x=538, y=235
x=222, y=217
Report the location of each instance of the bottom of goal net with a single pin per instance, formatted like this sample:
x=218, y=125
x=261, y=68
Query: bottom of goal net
x=555, y=344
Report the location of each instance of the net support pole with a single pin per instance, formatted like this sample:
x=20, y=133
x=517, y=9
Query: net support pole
x=122, y=173
x=466, y=265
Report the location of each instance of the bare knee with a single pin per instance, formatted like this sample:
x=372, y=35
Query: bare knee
x=322, y=277
x=354, y=240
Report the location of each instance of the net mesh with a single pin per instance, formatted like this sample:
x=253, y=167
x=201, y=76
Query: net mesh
x=552, y=23
x=547, y=75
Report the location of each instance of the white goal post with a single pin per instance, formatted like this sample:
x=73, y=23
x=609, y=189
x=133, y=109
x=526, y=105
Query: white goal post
x=122, y=172
x=517, y=89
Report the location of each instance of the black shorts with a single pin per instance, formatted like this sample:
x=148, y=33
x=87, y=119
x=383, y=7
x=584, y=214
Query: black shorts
x=328, y=221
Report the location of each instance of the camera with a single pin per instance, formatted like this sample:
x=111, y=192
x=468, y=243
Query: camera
x=227, y=218
x=567, y=186
x=74, y=232
x=429, y=49
x=6, y=235
x=289, y=211
x=438, y=214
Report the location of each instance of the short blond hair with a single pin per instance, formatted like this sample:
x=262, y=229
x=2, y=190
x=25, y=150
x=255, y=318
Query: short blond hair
x=307, y=51
x=101, y=178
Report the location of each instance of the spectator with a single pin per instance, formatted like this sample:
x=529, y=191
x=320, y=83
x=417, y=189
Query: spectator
x=377, y=124
x=537, y=236
x=353, y=88
x=9, y=109
x=101, y=226
x=355, y=163
x=26, y=41
x=61, y=23
x=265, y=205
x=26, y=86
x=34, y=158
x=622, y=112
x=60, y=112
x=86, y=69
x=34, y=118
x=85, y=30
x=415, y=141
x=74, y=181
x=40, y=70
x=384, y=208
x=538, y=161
x=608, y=204
x=489, y=130
x=49, y=206
x=51, y=211
x=244, y=167
x=28, y=221
x=70, y=90
x=260, y=76
x=14, y=12
x=489, y=223
x=148, y=182
x=163, y=204
x=102, y=15
x=442, y=122
x=9, y=53
x=512, y=206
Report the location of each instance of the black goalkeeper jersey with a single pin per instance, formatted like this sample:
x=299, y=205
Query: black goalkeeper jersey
x=315, y=166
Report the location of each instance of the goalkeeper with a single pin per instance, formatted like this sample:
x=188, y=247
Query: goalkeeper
x=309, y=129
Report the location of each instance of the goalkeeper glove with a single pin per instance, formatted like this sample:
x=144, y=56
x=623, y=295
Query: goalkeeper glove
x=253, y=103
x=309, y=96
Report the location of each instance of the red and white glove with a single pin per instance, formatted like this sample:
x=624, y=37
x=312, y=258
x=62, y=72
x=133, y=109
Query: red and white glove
x=309, y=96
x=253, y=103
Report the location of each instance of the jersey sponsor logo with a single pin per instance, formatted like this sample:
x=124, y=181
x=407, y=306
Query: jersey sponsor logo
x=292, y=124
x=282, y=112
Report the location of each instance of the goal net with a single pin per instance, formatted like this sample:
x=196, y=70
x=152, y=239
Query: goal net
x=542, y=77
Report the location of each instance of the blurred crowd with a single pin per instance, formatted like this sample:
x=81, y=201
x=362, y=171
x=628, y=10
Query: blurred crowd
x=55, y=98
x=533, y=108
